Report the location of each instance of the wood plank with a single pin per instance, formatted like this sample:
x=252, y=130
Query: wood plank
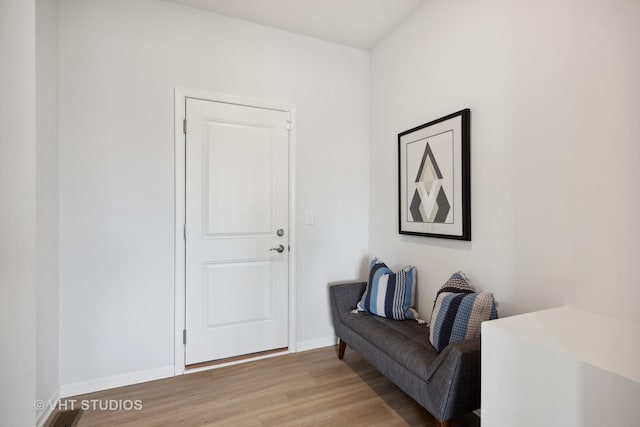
x=312, y=388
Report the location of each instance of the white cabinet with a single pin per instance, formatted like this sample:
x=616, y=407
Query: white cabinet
x=561, y=367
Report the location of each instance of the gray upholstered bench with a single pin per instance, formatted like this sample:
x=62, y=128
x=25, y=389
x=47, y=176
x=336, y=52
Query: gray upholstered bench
x=446, y=384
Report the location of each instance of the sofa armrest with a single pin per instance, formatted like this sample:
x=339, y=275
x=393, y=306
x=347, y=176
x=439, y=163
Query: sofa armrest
x=454, y=353
x=344, y=297
x=456, y=374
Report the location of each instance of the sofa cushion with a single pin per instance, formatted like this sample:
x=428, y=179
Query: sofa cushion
x=458, y=312
x=389, y=294
x=405, y=341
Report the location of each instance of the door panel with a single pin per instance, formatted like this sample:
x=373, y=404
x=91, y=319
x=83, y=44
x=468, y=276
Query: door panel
x=255, y=302
x=236, y=200
x=238, y=171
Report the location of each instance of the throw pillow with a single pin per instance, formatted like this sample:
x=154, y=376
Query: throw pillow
x=458, y=312
x=389, y=294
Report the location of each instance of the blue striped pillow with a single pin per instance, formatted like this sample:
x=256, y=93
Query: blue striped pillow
x=458, y=312
x=389, y=294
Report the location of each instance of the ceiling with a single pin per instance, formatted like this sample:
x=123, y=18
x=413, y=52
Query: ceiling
x=356, y=23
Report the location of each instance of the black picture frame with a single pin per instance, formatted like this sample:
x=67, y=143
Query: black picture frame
x=434, y=178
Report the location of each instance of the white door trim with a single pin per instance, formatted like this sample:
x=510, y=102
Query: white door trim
x=181, y=94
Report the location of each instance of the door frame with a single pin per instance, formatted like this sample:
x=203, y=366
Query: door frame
x=181, y=95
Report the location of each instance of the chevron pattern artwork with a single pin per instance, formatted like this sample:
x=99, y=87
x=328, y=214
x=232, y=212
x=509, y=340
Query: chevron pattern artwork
x=434, y=178
x=430, y=202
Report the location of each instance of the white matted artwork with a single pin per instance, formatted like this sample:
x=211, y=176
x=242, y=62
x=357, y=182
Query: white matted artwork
x=434, y=178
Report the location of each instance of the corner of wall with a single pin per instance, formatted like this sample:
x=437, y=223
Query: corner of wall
x=47, y=245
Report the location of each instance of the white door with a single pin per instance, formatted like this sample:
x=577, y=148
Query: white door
x=237, y=234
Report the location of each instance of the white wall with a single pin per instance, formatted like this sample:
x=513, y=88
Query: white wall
x=17, y=212
x=119, y=63
x=47, y=200
x=446, y=57
x=552, y=89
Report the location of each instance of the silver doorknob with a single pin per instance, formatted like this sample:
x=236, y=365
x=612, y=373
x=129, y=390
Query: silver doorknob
x=279, y=249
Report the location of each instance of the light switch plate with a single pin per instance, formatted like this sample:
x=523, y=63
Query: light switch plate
x=309, y=218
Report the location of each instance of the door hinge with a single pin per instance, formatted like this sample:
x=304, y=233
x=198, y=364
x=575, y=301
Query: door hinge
x=184, y=336
x=184, y=126
x=184, y=231
x=289, y=122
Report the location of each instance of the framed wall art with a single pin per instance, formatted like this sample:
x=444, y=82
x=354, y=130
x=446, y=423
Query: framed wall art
x=434, y=178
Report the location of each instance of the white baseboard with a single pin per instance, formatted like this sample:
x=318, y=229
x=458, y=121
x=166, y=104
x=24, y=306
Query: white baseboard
x=49, y=406
x=317, y=343
x=99, y=384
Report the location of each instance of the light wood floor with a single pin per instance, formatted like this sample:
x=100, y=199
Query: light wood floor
x=311, y=388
